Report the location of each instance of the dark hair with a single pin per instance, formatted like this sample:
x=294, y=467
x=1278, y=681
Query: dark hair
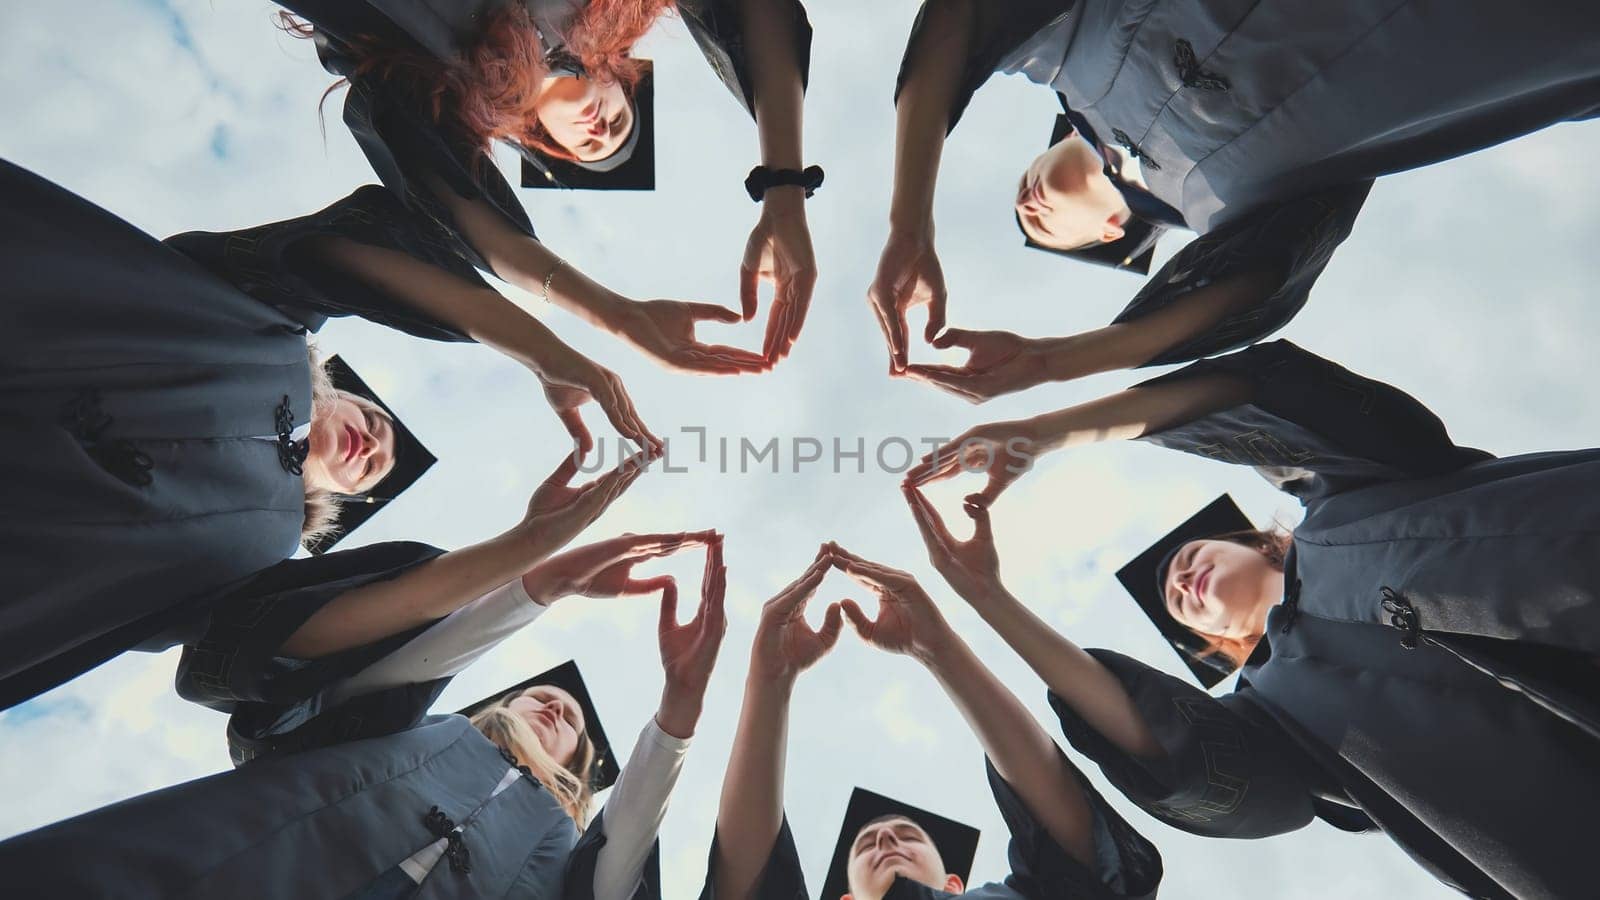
x=1272, y=543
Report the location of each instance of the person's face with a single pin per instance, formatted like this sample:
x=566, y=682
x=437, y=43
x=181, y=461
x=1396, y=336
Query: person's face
x=351, y=446
x=591, y=119
x=1065, y=200
x=1219, y=587
x=555, y=717
x=898, y=846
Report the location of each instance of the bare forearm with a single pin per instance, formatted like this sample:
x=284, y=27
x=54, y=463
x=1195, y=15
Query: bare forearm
x=769, y=33
x=922, y=112
x=1020, y=750
x=428, y=592
x=751, y=810
x=1070, y=673
x=529, y=264
x=1135, y=412
x=1128, y=345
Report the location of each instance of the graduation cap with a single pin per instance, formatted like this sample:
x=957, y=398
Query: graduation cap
x=957, y=843
x=566, y=676
x=631, y=168
x=411, y=460
x=1133, y=252
x=1146, y=577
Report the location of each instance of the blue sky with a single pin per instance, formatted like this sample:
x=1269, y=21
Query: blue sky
x=1467, y=284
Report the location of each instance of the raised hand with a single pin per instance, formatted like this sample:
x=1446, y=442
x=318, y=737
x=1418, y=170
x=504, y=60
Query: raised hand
x=779, y=250
x=559, y=512
x=785, y=645
x=908, y=275
x=1005, y=450
x=605, y=569
x=664, y=331
x=689, y=651
x=907, y=622
x=972, y=567
x=999, y=363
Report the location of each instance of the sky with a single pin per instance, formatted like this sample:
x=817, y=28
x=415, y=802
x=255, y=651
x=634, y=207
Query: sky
x=1466, y=284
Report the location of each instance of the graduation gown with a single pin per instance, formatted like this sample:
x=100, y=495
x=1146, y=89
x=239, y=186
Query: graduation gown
x=1433, y=664
x=276, y=705
x=148, y=392
x=397, y=131
x=1235, y=107
x=1126, y=867
x=331, y=823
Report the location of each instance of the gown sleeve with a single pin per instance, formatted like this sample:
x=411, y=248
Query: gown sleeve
x=234, y=665
x=997, y=29
x=268, y=262
x=717, y=28
x=1126, y=865
x=1225, y=771
x=781, y=877
x=1293, y=240
x=1312, y=428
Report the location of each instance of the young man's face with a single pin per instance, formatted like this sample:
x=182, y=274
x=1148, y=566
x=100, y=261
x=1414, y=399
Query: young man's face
x=891, y=846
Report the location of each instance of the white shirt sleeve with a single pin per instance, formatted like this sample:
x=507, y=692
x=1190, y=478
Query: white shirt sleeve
x=448, y=646
x=634, y=811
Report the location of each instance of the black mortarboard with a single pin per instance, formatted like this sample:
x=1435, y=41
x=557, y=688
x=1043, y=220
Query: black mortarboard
x=1133, y=252
x=567, y=677
x=1145, y=579
x=631, y=168
x=411, y=460
x=957, y=843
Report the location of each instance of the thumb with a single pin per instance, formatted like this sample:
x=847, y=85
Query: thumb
x=669, y=607
x=955, y=337
x=832, y=626
x=935, y=318
x=858, y=619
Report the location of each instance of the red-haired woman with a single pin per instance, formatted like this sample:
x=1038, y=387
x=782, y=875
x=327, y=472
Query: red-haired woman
x=433, y=85
x=1420, y=658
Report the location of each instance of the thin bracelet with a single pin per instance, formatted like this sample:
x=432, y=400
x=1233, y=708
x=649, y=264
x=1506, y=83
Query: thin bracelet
x=551, y=277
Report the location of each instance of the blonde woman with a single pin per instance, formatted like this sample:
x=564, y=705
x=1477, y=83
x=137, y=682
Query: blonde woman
x=162, y=436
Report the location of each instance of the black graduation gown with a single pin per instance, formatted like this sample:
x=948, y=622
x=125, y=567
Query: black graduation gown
x=398, y=133
x=144, y=396
x=275, y=704
x=1264, y=124
x=1489, y=568
x=1127, y=865
x=330, y=823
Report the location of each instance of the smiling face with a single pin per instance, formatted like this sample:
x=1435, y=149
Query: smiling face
x=352, y=446
x=555, y=717
x=1065, y=201
x=1223, y=589
x=591, y=119
x=895, y=846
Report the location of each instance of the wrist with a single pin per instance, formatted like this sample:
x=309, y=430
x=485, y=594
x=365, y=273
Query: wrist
x=679, y=711
x=785, y=199
x=915, y=223
x=941, y=651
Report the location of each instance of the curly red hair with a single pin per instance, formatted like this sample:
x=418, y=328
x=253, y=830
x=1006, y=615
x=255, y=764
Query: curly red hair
x=490, y=93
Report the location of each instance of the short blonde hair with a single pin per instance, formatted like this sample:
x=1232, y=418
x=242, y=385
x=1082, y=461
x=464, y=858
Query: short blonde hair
x=322, y=505
x=569, y=784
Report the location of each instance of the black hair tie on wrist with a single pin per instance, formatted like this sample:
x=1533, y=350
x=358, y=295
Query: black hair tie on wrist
x=761, y=179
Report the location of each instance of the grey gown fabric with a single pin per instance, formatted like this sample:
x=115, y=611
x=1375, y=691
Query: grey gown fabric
x=1269, y=120
x=143, y=393
x=1433, y=664
x=1128, y=866
x=400, y=136
x=330, y=823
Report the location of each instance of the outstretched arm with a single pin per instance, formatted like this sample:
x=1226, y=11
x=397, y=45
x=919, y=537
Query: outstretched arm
x=750, y=814
x=1023, y=754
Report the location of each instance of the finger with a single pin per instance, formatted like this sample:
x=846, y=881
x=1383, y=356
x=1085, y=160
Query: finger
x=797, y=592
x=956, y=337
x=562, y=476
x=1000, y=478
x=888, y=573
x=935, y=315
x=619, y=409
x=934, y=532
x=722, y=359
x=897, y=325
x=774, y=334
x=712, y=312
x=948, y=379
x=874, y=300
x=869, y=573
x=832, y=627
x=983, y=529
x=858, y=619
x=573, y=421
x=638, y=547
x=801, y=286
x=936, y=466
x=638, y=587
x=892, y=319
x=669, y=608
x=749, y=284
